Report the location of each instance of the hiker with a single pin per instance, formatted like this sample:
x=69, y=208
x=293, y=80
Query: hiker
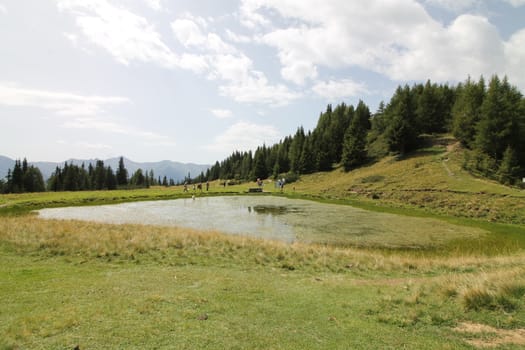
x=207, y=186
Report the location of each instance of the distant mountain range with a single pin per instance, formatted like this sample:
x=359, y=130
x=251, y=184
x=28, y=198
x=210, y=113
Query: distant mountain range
x=172, y=170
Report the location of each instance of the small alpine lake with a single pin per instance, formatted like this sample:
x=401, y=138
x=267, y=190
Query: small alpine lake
x=272, y=217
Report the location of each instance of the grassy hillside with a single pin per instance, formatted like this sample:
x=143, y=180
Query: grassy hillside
x=430, y=180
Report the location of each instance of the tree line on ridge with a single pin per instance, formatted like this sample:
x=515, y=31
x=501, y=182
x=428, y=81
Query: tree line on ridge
x=71, y=177
x=488, y=120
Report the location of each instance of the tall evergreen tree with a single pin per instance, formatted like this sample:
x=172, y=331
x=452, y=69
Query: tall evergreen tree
x=138, y=179
x=99, y=175
x=500, y=114
x=122, y=173
x=260, y=170
x=354, y=145
x=296, y=148
x=111, y=179
x=17, y=178
x=466, y=112
x=509, y=170
x=33, y=180
x=429, y=114
x=308, y=160
x=401, y=132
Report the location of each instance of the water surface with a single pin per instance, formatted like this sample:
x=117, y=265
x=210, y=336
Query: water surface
x=276, y=218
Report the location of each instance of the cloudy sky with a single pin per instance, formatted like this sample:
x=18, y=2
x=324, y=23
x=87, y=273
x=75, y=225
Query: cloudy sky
x=194, y=80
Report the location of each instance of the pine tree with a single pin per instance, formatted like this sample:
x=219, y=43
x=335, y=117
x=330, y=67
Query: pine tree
x=122, y=173
x=466, y=111
x=137, y=179
x=354, y=145
x=429, y=115
x=401, y=132
x=296, y=148
x=260, y=170
x=111, y=179
x=500, y=115
x=17, y=178
x=308, y=161
x=33, y=180
x=99, y=175
x=509, y=170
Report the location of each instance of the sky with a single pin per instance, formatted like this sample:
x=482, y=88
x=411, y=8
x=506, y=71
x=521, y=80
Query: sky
x=195, y=80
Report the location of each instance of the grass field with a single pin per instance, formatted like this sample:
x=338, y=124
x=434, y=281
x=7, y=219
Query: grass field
x=98, y=286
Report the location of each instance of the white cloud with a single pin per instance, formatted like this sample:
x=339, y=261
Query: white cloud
x=256, y=89
x=244, y=136
x=82, y=112
x=188, y=32
x=237, y=38
x=515, y=51
x=62, y=103
x=334, y=90
x=154, y=4
x=125, y=35
x=3, y=9
x=104, y=124
x=232, y=68
x=224, y=62
x=406, y=43
x=516, y=3
x=222, y=113
x=249, y=16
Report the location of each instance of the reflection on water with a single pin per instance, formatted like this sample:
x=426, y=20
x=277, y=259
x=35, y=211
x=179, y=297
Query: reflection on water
x=275, y=218
x=273, y=209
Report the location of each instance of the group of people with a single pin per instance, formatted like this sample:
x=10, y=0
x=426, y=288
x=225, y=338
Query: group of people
x=196, y=186
x=278, y=184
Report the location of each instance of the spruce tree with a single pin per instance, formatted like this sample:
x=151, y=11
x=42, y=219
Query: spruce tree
x=122, y=173
x=355, y=140
x=111, y=179
x=500, y=115
x=466, y=112
x=401, y=132
x=296, y=148
x=509, y=170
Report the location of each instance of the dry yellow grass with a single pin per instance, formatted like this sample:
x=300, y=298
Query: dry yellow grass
x=88, y=240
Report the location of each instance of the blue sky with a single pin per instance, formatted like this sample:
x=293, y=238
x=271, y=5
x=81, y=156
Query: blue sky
x=193, y=81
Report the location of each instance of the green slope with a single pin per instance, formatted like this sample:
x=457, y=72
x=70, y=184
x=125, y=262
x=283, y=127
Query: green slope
x=430, y=179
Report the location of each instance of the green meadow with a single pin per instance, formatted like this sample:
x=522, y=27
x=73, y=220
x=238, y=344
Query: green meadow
x=65, y=284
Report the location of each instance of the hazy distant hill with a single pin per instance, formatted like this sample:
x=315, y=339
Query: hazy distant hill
x=174, y=170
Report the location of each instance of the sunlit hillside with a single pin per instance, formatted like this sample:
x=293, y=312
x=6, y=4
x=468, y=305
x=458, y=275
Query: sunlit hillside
x=431, y=179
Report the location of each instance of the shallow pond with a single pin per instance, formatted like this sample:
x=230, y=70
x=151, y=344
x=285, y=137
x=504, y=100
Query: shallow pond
x=277, y=218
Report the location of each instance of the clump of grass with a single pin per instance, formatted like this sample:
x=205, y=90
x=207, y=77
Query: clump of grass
x=478, y=298
x=501, y=290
